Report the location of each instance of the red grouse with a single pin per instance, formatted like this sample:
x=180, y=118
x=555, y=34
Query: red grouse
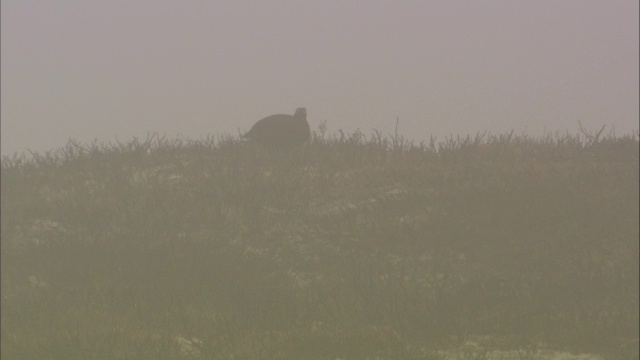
x=281, y=130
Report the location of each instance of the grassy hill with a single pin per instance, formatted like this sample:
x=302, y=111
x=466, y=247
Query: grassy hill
x=350, y=248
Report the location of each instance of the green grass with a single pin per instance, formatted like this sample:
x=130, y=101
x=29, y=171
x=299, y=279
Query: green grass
x=351, y=248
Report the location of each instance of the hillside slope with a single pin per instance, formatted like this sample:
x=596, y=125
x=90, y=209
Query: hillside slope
x=348, y=248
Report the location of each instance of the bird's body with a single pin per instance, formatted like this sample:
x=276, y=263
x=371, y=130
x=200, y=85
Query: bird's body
x=281, y=130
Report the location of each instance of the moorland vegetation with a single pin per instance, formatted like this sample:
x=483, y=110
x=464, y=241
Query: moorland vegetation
x=352, y=247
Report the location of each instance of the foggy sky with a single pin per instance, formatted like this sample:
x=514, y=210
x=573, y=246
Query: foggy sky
x=100, y=69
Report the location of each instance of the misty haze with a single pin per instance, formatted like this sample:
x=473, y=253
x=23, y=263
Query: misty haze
x=72, y=69
x=320, y=180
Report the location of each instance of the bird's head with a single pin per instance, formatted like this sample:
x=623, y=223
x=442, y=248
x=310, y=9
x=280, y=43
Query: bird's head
x=301, y=113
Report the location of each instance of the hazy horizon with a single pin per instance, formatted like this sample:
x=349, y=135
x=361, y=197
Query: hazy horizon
x=101, y=70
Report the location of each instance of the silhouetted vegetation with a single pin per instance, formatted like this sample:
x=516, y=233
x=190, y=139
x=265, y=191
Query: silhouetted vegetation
x=352, y=247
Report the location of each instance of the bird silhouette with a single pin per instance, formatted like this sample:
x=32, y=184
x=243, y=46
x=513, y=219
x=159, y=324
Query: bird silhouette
x=281, y=130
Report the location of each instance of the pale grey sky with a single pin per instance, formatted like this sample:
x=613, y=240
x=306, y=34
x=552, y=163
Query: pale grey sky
x=100, y=69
